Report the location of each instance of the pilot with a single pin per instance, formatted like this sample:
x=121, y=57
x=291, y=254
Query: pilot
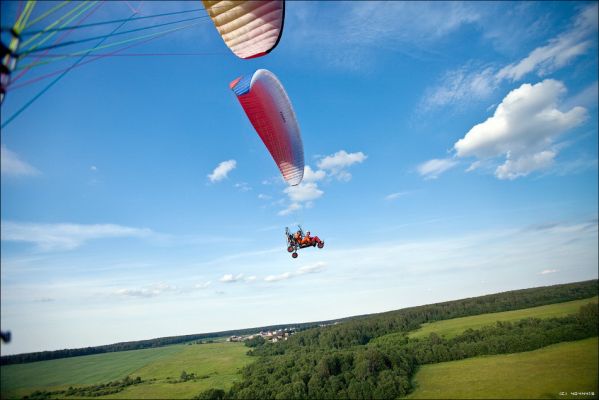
x=307, y=239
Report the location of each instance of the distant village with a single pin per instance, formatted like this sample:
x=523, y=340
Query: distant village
x=269, y=336
x=272, y=336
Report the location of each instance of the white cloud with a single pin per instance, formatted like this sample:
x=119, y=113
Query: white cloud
x=262, y=196
x=276, y=278
x=560, y=51
x=150, y=291
x=313, y=176
x=463, y=84
x=66, y=236
x=303, y=192
x=301, y=196
x=93, y=168
x=471, y=82
x=12, y=165
x=474, y=166
x=523, y=129
x=524, y=165
x=222, y=170
x=307, y=191
x=307, y=269
x=548, y=271
x=336, y=163
x=431, y=169
x=230, y=278
x=291, y=208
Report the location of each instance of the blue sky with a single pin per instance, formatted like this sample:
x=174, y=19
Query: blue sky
x=451, y=152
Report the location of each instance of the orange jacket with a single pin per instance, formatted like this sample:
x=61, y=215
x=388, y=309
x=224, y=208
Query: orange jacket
x=307, y=239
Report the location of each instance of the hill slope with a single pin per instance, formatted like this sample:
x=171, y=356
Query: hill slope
x=551, y=372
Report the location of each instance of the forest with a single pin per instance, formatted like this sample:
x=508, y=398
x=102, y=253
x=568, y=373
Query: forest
x=372, y=356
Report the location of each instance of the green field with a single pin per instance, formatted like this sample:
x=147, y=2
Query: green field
x=453, y=327
x=553, y=372
x=216, y=365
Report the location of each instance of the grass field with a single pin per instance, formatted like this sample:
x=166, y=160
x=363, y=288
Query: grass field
x=217, y=364
x=553, y=372
x=454, y=327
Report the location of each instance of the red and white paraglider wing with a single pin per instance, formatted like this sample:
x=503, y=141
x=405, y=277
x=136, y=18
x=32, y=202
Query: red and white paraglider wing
x=249, y=28
x=269, y=109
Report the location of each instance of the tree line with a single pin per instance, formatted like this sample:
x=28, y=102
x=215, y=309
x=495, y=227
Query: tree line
x=103, y=389
x=145, y=344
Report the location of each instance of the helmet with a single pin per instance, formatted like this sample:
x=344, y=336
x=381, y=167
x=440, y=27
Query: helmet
x=308, y=232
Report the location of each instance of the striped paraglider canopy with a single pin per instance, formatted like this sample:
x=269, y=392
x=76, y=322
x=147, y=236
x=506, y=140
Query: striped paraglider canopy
x=249, y=28
x=269, y=109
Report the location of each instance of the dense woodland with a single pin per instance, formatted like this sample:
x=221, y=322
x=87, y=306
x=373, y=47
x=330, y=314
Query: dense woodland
x=372, y=356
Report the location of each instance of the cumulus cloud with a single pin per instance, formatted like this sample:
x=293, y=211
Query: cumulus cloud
x=301, y=196
x=307, y=191
x=66, y=236
x=336, y=164
x=12, y=165
x=313, y=176
x=222, y=170
x=303, y=192
x=523, y=129
x=431, y=169
x=524, y=165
